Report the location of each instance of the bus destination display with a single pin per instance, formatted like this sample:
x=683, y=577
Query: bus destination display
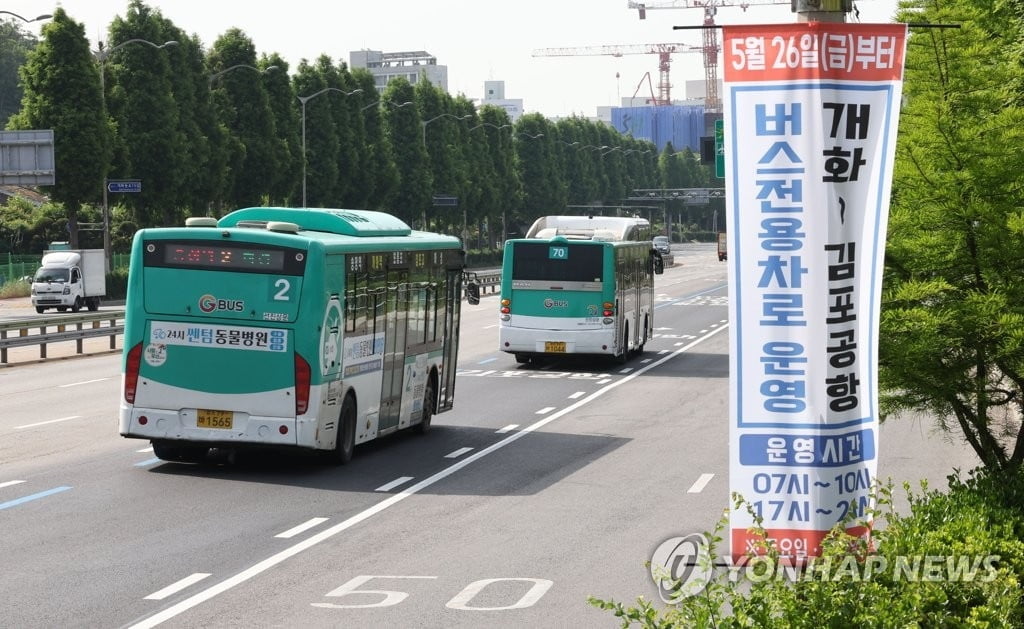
x=211, y=256
x=207, y=256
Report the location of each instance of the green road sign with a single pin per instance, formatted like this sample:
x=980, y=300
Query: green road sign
x=720, y=148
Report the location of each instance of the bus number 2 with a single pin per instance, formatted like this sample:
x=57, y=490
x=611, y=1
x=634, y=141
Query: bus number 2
x=460, y=601
x=282, y=286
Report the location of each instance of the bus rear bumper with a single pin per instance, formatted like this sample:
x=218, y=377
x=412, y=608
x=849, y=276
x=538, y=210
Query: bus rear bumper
x=528, y=341
x=180, y=425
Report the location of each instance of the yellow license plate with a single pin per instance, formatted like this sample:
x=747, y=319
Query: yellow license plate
x=554, y=347
x=214, y=419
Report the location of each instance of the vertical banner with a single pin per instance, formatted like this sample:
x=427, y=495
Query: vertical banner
x=811, y=112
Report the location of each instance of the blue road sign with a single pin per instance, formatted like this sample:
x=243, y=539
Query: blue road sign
x=124, y=185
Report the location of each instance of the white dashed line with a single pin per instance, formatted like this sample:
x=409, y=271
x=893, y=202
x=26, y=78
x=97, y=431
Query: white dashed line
x=508, y=428
x=545, y=410
x=401, y=480
x=75, y=384
x=11, y=482
x=578, y=394
x=305, y=526
x=700, y=484
x=456, y=454
x=177, y=587
x=49, y=421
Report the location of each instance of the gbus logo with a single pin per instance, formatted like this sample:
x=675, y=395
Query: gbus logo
x=209, y=303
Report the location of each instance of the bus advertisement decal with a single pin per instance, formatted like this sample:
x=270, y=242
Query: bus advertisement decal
x=206, y=335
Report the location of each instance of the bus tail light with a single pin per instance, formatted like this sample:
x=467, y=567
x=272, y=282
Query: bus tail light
x=506, y=309
x=131, y=373
x=302, y=382
x=609, y=309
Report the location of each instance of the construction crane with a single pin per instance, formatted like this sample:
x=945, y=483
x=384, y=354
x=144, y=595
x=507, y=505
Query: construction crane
x=664, y=52
x=712, y=102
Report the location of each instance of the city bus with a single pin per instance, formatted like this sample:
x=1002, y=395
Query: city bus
x=308, y=330
x=578, y=285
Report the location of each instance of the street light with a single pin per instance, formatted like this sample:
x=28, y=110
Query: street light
x=386, y=102
x=490, y=124
x=101, y=57
x=44, y=16
x=304, y=100
x=438, y=117
x=240, y=65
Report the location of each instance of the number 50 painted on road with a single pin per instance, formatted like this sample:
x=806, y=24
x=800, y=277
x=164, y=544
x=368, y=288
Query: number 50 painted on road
x=459, y=601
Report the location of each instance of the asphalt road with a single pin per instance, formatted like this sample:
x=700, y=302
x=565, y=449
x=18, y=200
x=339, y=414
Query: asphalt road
x=544, y=485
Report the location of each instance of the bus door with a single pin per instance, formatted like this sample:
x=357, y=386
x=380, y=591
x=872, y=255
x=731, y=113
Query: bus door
x=395, y=322
x=450, y=352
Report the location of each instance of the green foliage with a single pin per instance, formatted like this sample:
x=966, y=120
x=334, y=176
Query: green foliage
x=878, y=583
x=952, y=324
x=117, y=284
x=15, y=44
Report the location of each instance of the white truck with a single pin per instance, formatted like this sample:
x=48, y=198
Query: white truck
x=70, y=279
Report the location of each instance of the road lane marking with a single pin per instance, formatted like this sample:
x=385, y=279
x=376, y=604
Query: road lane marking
x=577, y=395
x=699, y=485
x=305, y=526
x=401, y=480
x=177, y=587
x=149, y=449
x=488, y=360
x=49, y=421
x=148, y=462
x=545, y=410
x=508, y=428
x=24, y=499
x=311, y=541
x=456, y=454
x=11, y=482
x=75, y=384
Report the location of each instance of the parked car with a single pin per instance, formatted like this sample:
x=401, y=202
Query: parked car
x=662, y=244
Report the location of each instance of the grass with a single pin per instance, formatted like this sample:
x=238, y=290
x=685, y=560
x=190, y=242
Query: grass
x=15, y=289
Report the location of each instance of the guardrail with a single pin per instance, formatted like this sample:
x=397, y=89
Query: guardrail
x=490, y=283
x=59, y=329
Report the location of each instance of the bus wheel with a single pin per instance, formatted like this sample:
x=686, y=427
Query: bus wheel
x=428, y=407
x=345, y=444
x=623, y=358
x=522, y=358
x=185, y=454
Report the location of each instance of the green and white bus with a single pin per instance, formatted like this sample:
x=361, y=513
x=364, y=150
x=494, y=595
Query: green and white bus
x=578, y=285
x=304, y=329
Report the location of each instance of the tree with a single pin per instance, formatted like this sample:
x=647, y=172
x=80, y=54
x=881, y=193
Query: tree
x=15, y=44
x=952, y=321
x=248, y=118
x=141, y=101
x=284, y=188
x=405, y=135
x=62, y=92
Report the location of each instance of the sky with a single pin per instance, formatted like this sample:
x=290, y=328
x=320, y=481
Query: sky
x=478, y=41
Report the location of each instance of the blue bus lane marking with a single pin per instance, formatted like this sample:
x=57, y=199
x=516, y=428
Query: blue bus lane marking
x=24, y=499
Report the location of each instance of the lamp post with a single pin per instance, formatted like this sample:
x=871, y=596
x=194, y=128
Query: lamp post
x=386, y=102
x=26, y=20
x=101, y=57
x=423, y=214
x=217, y=75
x=304, y=100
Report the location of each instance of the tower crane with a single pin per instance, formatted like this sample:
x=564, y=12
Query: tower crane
x=664, y=52
x=712, y=102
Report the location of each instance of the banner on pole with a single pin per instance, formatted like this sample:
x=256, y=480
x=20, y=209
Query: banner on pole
x=811, y=113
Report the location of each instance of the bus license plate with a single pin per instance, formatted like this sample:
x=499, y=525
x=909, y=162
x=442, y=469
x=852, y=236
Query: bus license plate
x=554, y=347
x=214, y=419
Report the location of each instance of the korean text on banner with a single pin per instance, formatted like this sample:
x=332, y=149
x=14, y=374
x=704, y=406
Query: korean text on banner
x=811, y=112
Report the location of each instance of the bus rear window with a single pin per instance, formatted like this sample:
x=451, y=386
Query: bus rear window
x=557, y=262
x=213, y=256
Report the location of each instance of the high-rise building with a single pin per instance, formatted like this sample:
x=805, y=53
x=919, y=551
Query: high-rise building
x=414, y=66
x=494, y=94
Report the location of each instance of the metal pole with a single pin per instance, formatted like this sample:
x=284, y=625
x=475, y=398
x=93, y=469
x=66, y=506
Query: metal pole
x=106, y=209
x=303, y=100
